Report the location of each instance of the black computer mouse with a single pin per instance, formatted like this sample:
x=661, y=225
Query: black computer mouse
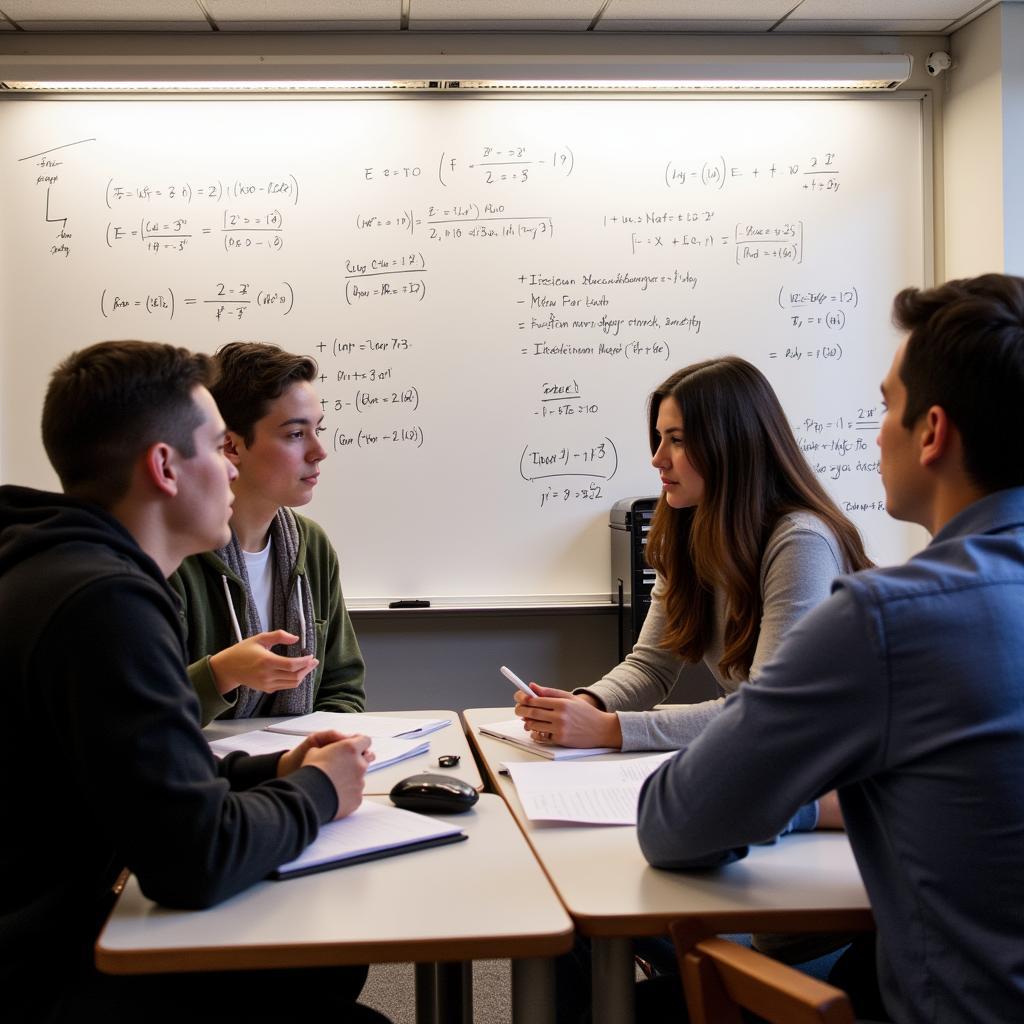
x=434, y=794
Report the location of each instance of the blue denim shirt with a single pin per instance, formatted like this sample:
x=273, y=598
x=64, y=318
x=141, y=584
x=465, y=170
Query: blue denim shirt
x=904, y=690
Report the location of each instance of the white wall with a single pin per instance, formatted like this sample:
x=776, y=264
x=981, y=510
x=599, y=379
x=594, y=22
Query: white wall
x=973, y=150
x=983, y=146
x=1013, y=136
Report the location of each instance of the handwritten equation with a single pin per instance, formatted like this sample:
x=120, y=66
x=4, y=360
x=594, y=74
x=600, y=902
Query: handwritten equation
x=600, y=460
x=502, y=163
x=366, y=401
x=818, y=172
x=358, y=275
x=337, y=347
x=238, y=232
x=563, y=400
x=392, y=437
x=780, y=242
x=842, y=447
x=119, y=192
x=226, y=301
x=458, y=221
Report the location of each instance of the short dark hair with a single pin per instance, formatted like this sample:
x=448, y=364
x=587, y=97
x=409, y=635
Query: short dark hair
x=249, y=376
x=965, y=353
x=107, y=403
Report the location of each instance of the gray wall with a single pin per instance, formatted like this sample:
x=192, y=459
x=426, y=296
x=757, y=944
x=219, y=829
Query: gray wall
x=450, y=660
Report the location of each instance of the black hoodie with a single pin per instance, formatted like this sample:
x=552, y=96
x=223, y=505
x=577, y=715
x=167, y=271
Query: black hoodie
x=105, y=763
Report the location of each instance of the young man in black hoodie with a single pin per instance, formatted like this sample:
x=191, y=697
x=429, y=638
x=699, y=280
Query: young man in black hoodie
x=108, y=765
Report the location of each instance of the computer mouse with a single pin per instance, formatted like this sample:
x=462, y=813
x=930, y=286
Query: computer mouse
x=434, y=794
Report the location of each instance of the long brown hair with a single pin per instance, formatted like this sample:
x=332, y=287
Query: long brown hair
x=737, y=438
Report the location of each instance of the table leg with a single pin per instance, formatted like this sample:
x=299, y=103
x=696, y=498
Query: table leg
x=455, y=992
x=467, y=992
x=613, y=980
x=533, y=991
x=426, y=993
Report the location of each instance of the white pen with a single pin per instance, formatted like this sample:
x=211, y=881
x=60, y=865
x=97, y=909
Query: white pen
x=516, y=681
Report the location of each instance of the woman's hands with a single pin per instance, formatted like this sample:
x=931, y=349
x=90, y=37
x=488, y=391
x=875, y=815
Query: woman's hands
x=568, y=719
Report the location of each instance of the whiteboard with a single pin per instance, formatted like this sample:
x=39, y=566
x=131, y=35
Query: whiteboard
x=492, y=287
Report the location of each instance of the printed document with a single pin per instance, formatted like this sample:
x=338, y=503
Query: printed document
x=599, y=793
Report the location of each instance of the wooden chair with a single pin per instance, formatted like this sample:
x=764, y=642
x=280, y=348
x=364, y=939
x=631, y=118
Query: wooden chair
x=719, y=977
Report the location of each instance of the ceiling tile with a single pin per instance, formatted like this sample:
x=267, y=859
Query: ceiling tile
x=876, y=15
x=305, y=15
x=674, y=25
x=693, y=16
x=876, y=26
x=882, y=10
x=484, y=15
x=106, y=15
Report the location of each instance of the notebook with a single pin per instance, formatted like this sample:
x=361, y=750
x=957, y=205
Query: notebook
x=512, y=731
x=372, y=831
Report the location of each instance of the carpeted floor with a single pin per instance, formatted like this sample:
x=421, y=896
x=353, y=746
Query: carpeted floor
x=390, y=990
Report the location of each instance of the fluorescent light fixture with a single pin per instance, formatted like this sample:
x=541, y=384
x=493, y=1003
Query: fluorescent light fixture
x=445, y=70
x=200, y=86
x=687, y=85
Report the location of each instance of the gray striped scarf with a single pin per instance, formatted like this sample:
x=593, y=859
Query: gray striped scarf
x=291, y=611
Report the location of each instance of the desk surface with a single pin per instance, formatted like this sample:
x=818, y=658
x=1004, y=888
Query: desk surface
x=610, y=890
x=450, y=740
x=485, y=897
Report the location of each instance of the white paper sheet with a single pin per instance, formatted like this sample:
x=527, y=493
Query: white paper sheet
x=351, y=723
x=388, y=750
x=258, y=741
x=599, y=793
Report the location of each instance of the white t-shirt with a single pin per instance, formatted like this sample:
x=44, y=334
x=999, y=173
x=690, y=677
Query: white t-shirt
x=260, y=568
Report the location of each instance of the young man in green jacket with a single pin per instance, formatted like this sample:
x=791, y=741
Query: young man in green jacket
x=268, y=631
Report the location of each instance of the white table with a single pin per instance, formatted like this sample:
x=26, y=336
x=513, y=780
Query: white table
x=450, y=740
x=485, y=897
x=807, y=881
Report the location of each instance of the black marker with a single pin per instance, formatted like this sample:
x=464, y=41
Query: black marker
x=409, y=604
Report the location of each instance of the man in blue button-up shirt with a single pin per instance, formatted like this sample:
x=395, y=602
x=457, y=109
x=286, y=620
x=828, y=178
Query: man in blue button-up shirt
x=905, y=689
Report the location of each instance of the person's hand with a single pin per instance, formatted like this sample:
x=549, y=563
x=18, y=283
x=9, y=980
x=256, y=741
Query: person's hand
x=252, y=663
x=344, y=762
x=568, y=719
x=291, y=760
x=829, y=813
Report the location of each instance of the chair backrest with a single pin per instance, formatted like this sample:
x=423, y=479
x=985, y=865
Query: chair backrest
x=720, y=977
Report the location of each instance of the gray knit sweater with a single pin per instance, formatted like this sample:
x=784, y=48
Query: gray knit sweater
x=800, y=561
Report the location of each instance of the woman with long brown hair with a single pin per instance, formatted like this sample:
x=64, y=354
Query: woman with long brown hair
x=744, y=541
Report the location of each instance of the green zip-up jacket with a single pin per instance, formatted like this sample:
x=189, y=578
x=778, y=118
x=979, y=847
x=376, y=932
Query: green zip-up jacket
x=338, y=683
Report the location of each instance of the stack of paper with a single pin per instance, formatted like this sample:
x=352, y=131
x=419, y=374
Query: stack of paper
x=599, y=793
x=353, y=722
x=373, y=830
x=387, y=750
x=258, y=741
x=512, y=731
